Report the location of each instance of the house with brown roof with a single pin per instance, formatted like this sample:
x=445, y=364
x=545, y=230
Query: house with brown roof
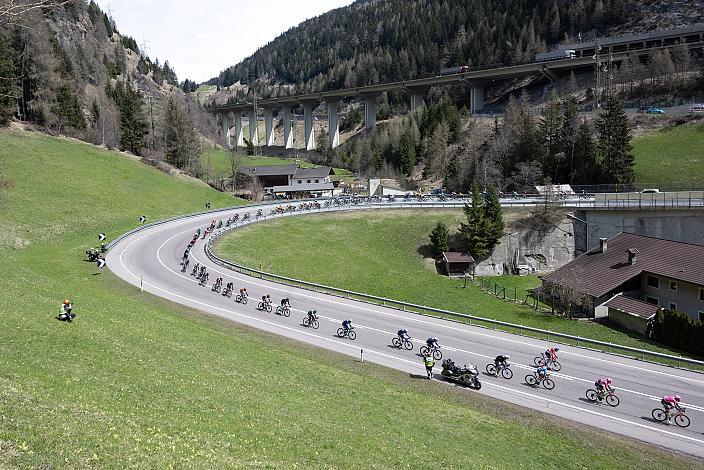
x=635, y=275
x=292, y=180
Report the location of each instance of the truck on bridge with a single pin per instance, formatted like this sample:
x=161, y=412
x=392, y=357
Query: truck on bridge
x=453, y=70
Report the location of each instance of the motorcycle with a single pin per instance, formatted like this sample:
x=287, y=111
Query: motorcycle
x=467, y=375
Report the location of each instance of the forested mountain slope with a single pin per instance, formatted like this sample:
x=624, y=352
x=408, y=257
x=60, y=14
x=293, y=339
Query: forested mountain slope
x=66, y=69
x=374, y=41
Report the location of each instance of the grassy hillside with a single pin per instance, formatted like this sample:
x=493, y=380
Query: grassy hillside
x=674, y=154
x=378, y=253
x=138, y=382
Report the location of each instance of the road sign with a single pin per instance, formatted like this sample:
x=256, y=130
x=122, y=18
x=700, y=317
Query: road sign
x=101, y=237
x=100, y=263
x=142, y=219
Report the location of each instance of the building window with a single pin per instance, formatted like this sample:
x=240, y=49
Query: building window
x=673, y=285
x=701, y=316
x=308, y=181
x=317, y=181
x=653, y=281
x=652, y=300
x=701, y=295
x=673, y=307
x=300, y=181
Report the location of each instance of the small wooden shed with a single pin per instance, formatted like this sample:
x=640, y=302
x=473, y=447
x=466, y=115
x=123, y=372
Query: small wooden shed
x=456, y=263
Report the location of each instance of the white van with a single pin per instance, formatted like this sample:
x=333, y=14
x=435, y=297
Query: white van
x=696, y=108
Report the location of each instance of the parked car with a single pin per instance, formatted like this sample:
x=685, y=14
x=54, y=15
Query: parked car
x=697, y=108
x=650, y=191
x=654, y=110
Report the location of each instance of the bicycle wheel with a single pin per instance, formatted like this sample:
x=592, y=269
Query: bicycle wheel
x=531, y=380
x=659, y=414
x=244, y=301
x=424, y=350
x=287, y=312
x=260, y=306
x=315, y=324
x=352, y=335
x=556, y=366
x=408, y=345
x=491, y=369
x=306, y=321
x=507, y=373
x=612, y=400
x=340, y=332
x=549, y=384
x=592, y=395
x=268, y=308
x=538, y=361
x=681, y=420
x=437, y=354
x=396, y=342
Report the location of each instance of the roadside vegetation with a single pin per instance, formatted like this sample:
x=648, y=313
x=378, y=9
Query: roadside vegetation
x=138, y=382
x=386, y=253
x=671, y=155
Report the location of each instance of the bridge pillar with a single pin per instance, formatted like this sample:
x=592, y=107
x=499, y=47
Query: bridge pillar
x=370, y=111
x=308, y=107
x=225, y=121
x=269, y=126
x=333, y=124
x=253, y=127
x=288, y=131
x=417, y=97
x=239, y=138
x=477, y=99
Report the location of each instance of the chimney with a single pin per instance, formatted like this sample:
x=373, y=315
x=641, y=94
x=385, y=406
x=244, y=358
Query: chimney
x=603, y=245
x=632, y=255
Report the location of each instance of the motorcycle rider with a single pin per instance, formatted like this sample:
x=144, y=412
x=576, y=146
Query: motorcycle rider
x=669, y=402
x=429, y=364
x=501, y=360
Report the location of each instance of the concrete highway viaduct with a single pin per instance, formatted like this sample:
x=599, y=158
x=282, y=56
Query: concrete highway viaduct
x=614, y=49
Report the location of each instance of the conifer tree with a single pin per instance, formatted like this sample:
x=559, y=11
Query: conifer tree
x=614, y=144
x=493, y=217
x=473, y=232
x=439, y=239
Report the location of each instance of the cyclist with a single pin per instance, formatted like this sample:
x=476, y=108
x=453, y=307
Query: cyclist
x=265, y=299
x=204, y=278
x=244, y=293
x=432, y=342
x=218, y=282
x=347, y=325
x=185, y=254
x=429, y=364
x=501, y=361
x=312, y=315
x=543, y=372
x=403, y=335
x=551, y=354
x=229, y=287
x=285, y=302
x=202, y=271
x=603, y=386
x=670, y=402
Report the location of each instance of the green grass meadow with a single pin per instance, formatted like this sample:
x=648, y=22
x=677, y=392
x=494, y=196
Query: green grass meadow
x=136, y=381
x=379, y=253
x=673, y=154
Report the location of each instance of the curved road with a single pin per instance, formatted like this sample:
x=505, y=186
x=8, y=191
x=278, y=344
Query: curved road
x=151, y=258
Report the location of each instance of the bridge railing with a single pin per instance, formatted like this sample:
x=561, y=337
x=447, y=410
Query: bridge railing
x=587, y=343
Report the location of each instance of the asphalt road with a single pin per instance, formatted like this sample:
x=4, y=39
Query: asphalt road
x=150, y=258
